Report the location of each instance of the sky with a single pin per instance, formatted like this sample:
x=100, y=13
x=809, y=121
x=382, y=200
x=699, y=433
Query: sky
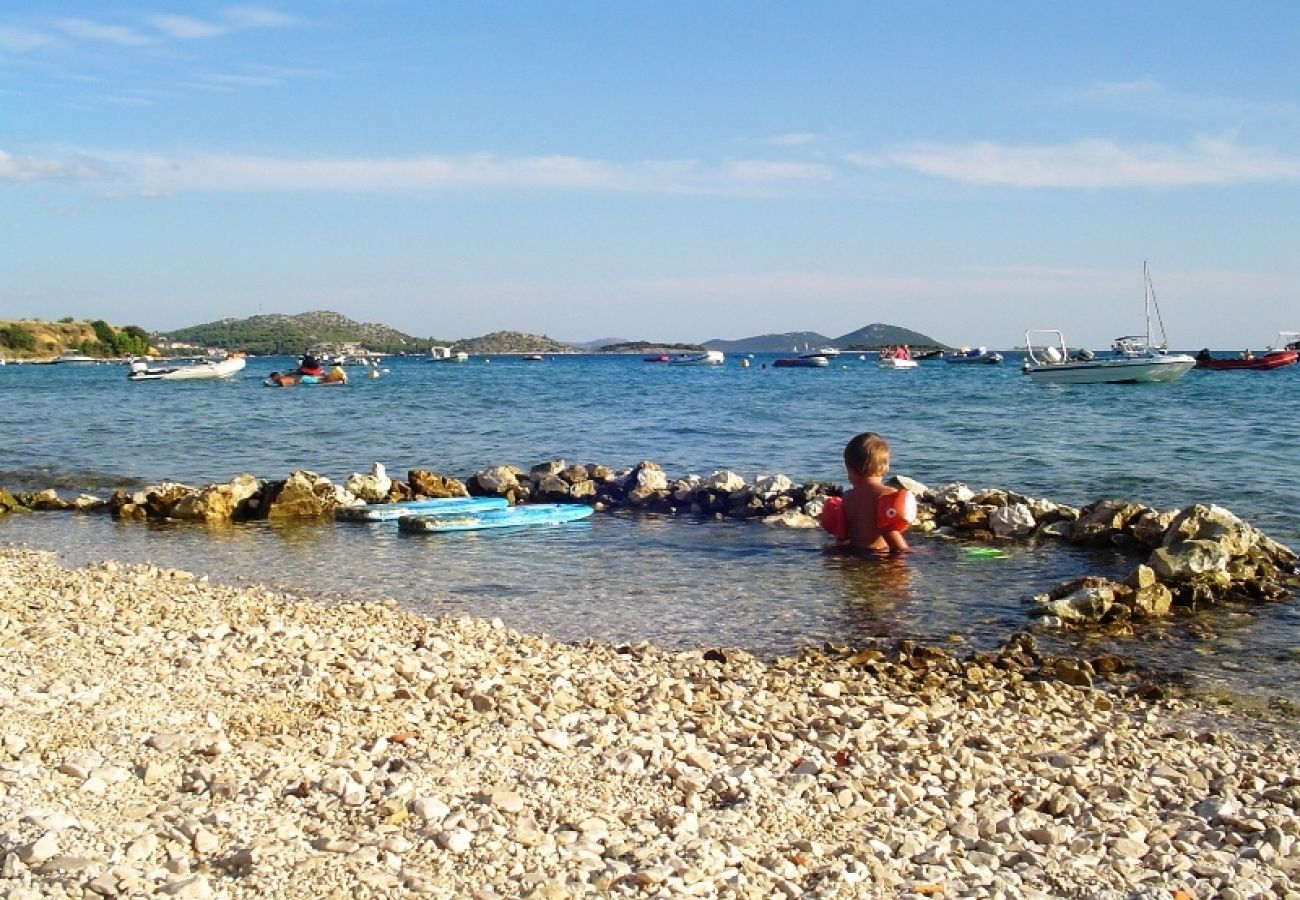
x=657, y=171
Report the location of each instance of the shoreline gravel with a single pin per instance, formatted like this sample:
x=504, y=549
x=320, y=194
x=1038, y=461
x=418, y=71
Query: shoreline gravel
x=163, y=735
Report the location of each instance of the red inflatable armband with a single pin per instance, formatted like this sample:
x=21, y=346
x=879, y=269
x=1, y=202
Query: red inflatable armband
x=896, y=511
x=833, y=518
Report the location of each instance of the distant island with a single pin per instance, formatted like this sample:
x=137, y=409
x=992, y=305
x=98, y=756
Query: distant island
x=328, y=332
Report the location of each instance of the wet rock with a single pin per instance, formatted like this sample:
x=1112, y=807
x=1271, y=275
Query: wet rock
x=431, y=484
x=219, y=502
x=305, y=495
x=1101, y=522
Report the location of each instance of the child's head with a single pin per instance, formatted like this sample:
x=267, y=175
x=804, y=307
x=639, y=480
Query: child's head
x=867, y=454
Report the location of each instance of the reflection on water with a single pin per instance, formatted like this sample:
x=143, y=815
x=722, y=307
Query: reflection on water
x=681, y=582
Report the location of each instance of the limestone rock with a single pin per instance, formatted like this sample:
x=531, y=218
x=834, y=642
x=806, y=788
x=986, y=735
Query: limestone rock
x=372, y=488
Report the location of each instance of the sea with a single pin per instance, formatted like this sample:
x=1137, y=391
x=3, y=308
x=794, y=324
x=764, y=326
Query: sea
x=680, y=581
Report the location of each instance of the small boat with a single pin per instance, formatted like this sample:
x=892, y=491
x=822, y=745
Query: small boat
x=661, y=358
x=446, y=354
x=975, y=356
x=825, y=352
x=334, y=378
x=534, y=357
x=806, y=361
x=705, y=358
x=1133, y=359
x=1287, y=353
x=72, y=356
x=936, y=353
x=897, y=362
x=207, y=370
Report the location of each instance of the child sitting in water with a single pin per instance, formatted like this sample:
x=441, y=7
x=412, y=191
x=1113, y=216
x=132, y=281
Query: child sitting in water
x=871, y=516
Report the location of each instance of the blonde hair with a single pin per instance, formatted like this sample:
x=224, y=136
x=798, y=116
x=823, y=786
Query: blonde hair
x=867, y=454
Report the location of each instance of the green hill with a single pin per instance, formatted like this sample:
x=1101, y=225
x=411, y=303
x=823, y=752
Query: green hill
x=869, y=337
x=281, y=334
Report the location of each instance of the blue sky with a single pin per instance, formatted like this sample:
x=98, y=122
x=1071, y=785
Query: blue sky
x=656, y=171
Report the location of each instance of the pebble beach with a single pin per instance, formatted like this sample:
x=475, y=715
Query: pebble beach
x=165, y=735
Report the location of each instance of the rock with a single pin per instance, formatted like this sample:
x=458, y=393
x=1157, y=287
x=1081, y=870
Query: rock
x=770, y=485
x=1016, y=520
x=792, y=518
x=952, y=494
x=646, y=482
x=1089, y=602
x=498, y=481
x=306, y=495
x=219, y=502
x=1152, y=601
x=1184, y=560
x=551, y=469
x=431, y=484
x=724, y=481
x=1099, y=523
x=372, y=488
x=7, y=502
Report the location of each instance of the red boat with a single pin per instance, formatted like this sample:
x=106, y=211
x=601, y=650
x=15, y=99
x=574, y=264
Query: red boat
x=1288, y=355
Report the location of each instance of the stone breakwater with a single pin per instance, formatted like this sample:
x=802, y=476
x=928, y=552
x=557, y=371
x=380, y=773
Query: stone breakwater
x=163, y=736
x=1199, y=555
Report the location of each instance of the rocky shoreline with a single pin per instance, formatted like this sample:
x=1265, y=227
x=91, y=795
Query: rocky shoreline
x=1200, y=555
x=166, y=736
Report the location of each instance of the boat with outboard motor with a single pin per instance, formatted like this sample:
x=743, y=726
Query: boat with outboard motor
x=805, y=361
x=204, y=370
x=1133, y=359
x=447, y=355
x=967, y=356
x=703, y=358
x=1286, y=353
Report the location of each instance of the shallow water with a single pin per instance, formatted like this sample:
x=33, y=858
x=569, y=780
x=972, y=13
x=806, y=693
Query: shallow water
x=678, y=581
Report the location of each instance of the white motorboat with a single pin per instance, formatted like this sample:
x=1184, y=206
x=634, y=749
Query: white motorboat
x=825, y=352
x=1133, y=359
x=446, y=354
x=897, y=362
x=974, y=356
x=206, y=370
x=72, y=356
x=704, y=358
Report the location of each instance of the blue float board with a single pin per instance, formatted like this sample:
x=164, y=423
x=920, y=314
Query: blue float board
x=514, y=517
x=382, y=512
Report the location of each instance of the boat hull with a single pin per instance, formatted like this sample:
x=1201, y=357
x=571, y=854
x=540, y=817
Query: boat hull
x=1274, y=360
x=983, y=359
x=893, y=363
x=204, y=371
x=1143, y=370
x=802, y=362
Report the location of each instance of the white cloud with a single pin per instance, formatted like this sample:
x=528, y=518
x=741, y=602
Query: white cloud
x=186, y=28
x=28, y=169
x=86, y=30
x=1099, y=164
x=23, y=40
x=255, y=17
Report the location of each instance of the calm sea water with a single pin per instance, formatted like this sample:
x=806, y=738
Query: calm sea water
x=1227, y=438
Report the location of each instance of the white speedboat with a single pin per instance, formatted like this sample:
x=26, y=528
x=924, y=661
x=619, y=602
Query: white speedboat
x=206, y=370
x=704, y=358
x=974, y=356
x=1132, y=359
x=446, y=354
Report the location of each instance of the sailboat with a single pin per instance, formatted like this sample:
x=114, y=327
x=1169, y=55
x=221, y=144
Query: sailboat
x=1133, y=359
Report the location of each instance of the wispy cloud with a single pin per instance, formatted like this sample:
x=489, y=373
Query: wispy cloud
x=86, y=30
x=141, y=32
x=27, y=169
x=1152, y=99
x=1087, y=164
x=1098, y=164
x=23, y=40
x=186, y=28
